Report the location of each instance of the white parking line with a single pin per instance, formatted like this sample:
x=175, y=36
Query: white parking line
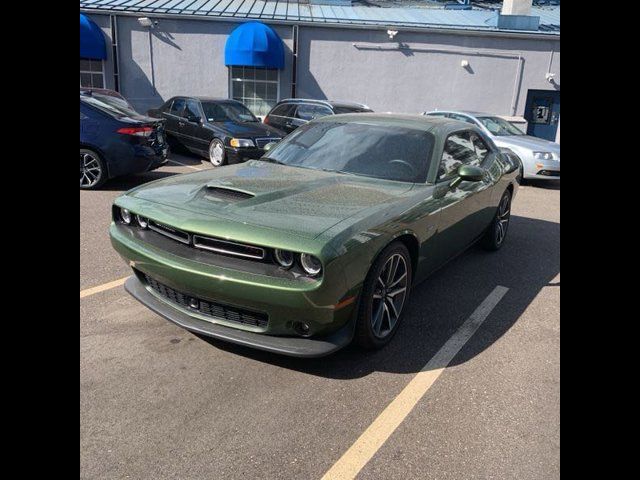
x=365, y=447
x=185, y=165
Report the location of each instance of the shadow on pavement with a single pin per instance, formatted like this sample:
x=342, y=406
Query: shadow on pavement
x=545, y=184
x=130, y=181
x=529, y=261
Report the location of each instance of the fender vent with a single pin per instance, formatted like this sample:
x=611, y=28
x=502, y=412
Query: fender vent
x=228, y=194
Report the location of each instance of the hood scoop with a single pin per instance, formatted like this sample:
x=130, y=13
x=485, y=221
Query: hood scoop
x=227, y=194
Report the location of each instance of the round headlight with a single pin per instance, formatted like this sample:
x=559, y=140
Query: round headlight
x=143, y=222
x=126, y=216
x=310, y=264
x=284, y=257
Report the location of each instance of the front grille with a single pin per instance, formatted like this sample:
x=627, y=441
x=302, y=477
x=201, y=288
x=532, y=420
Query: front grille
x=228, y=248
x=170, y=232
x=261, y=142
x=209, y=309
x=228, y=194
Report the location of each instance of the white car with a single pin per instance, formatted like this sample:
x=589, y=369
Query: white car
x=540, y=157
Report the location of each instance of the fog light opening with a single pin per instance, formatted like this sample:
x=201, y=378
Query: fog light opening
x=302, y=329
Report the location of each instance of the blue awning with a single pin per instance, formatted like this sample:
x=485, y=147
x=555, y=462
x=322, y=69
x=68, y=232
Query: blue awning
x=92, y=44
x=254, y=44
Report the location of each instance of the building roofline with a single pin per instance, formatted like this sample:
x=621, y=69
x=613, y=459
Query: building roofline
x=345, y=24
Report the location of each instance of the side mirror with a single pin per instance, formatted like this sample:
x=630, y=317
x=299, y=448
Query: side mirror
x=269, y=146
x=194, y=119
x=468, y=173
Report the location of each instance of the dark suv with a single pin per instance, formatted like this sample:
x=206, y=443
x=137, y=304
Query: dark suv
x=291, y=113
x=222, y=130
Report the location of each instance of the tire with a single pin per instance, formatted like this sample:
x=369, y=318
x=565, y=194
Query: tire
x=375, y=325
x=217, y=155
x=93, y=171
x=496, y=234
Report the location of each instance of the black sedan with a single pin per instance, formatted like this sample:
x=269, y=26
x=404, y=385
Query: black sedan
x=222, y=130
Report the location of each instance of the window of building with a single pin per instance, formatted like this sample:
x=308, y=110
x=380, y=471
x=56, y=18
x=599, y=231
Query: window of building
x=256, y=87
x=91, y=73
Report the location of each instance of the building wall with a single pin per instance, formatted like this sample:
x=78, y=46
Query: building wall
x=425, y=74
x=412, y=73
x=180, y=57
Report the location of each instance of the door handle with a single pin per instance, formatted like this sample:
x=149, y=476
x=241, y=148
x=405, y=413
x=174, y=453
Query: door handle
x=181, y=124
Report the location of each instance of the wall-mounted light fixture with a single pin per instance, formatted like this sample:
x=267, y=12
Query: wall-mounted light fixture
x=464, y=63
x=549, y=77
x=392, y=33
x=146, y=22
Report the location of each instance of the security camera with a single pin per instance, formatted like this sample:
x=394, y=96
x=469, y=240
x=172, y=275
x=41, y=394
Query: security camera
x=549, y=77
x=392, y=33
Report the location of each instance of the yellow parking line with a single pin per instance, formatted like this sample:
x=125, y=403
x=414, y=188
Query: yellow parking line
x=101, y=288
x=365, y=447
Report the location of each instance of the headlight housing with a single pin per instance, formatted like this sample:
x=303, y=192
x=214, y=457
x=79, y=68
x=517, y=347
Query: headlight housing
x=543, y=155
x=284, y=258
x=310, y=264
x=125, y=215
x=142, y=221
x=241, y=142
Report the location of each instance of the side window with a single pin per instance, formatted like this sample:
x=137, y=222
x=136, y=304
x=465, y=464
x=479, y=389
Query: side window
x=192, y=109
x=437, y=114
x=481, y=148
x=309, y=112
x=177, y=107
x=284, y=110
x=458, y=150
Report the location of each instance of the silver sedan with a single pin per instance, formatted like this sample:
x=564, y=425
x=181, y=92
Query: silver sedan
x=540, y=157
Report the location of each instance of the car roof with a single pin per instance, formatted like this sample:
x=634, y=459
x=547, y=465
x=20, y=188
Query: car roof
x=465, y=112
x=102, y=91
x=206, y=99
x=330, y=103
x=420, y=122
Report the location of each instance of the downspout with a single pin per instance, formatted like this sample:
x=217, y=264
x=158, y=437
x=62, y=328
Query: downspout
x=516, y=86
x=294, y=61
x=114, y=51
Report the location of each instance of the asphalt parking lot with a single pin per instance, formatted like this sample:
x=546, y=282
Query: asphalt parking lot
x=159, y=402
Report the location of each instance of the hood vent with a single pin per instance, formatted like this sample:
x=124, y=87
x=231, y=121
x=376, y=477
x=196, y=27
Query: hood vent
x=228, y=194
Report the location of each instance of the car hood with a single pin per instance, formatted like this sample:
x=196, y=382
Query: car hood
x=528, y=142
x=248, y=129
x=299, y=201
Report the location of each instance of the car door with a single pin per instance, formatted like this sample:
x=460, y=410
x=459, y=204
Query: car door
x=196, y=136
x=174, y=121
x=308, y=111
x=462, y=207
x=281, y=116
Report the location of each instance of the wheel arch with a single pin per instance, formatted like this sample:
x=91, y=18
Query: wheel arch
x=99, y=151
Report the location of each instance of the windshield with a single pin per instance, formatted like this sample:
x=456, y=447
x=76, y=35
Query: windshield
x=227, y=112
x=499, y=126
x=373, y=150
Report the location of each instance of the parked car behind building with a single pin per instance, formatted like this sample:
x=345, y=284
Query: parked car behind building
x=291, y=113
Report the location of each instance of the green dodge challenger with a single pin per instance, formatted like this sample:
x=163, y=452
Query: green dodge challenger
x=319, y=242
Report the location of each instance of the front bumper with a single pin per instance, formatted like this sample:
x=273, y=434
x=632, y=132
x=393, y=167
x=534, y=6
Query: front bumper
x=292, y=346
x=252, y=287
x=544, y=170
x=239, y=155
